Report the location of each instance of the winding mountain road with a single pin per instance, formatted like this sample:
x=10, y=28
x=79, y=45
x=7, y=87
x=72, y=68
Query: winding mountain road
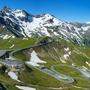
x=84, y=72
x=52, y=72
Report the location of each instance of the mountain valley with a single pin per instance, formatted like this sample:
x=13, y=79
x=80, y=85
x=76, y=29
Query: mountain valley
x=41, y=52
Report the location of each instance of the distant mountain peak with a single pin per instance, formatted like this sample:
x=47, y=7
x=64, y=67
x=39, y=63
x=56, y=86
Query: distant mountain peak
x=6, y=9
x=20, y=13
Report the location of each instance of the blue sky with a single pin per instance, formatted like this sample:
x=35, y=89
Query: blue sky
x=68, y=10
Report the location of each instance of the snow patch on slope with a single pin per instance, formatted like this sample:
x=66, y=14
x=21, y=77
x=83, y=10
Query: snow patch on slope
x=87, y=63
x=35, y=60
x=67, y=53
x=11, y=46
x=25, y=88
x=13, y=75
x=6, y=37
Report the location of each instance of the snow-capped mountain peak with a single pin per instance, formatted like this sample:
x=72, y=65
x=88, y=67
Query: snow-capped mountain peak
x=6, y=9
x=19, y=13
x=23, y=24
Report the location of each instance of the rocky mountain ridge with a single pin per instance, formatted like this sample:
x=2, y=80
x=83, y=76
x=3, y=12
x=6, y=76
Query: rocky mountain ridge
x=22, y=24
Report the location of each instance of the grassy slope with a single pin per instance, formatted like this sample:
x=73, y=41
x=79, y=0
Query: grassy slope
x=7, y=82
x=36, y=77
x=19, y=43
x=78, y=59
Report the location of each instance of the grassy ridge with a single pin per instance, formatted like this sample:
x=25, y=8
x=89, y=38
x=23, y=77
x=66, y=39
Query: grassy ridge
x=17, y=42
x=50, y=53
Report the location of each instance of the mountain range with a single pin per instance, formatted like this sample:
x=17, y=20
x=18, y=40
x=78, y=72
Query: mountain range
x=42, y=52
x=20, y=23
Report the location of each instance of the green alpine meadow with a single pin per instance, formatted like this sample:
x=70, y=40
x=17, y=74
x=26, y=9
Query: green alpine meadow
x=41, y=51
